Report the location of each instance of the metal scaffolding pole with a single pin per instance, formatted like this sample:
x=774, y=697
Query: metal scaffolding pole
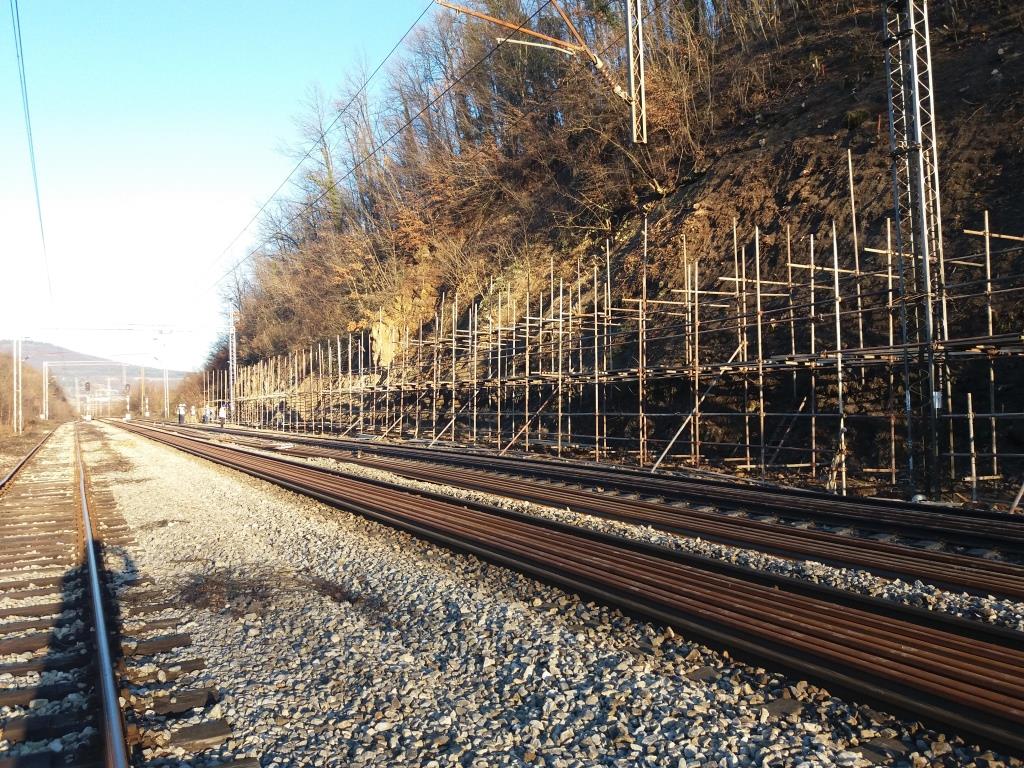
x=232, y=367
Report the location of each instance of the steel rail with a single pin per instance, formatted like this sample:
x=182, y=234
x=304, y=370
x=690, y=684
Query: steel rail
x=828, y=594
x=114, y=741
x=974, y=574
x=672, y=484
x=964, y=527
x=25, y=459
x=973, y=682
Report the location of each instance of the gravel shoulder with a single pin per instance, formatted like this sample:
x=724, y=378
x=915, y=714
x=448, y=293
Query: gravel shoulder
x=337, y=641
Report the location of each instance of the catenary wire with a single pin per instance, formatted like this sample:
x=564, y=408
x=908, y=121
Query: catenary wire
x=23, y=81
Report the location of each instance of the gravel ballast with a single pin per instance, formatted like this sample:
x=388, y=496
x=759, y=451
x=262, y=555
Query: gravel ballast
x=988, y=609
x=337, y=641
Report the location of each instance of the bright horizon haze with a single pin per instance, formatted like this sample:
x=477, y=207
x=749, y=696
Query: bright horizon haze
x=160, y=128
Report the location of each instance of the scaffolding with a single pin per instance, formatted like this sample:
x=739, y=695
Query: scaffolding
x=851, y=363
x=788, y=366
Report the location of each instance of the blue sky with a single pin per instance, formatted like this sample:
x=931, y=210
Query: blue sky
x=159, y=130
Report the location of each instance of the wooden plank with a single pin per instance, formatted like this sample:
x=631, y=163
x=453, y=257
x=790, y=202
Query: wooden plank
x=44, y=759
x=153, y=645
x=33, y=609
x=180, y=701
x=46, y=622
x=169, y=673
x=51, y=661
x=20, y=697
x=39, y=727
x=37, y=641
x=201, y=736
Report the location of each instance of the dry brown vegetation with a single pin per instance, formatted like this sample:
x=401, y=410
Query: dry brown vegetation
x=32, y=403
x=499, y=162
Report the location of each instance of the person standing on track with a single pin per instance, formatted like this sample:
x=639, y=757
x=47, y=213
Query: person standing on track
x=222, y=416
x=181, y=413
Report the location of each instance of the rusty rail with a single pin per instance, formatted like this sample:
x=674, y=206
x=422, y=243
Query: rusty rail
x=947, y=569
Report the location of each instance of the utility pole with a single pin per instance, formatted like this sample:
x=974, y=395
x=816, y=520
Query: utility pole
x=127, y=391
x=17, y=415
x=21, y=389
x=46, y=390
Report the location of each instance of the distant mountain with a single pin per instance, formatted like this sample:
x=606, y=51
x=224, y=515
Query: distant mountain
x=65, y=365
x=38, y=352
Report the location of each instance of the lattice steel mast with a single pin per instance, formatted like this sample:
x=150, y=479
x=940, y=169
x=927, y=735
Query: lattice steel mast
x=637, y=86
x=918, y=215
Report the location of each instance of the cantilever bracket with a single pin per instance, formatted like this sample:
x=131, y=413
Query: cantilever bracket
x=564, y=46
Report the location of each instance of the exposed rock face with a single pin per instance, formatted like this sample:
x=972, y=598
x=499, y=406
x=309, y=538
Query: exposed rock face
x=384, y=343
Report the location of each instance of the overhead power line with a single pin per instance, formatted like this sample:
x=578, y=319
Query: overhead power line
x=309, y=152
x=23, y=81
x=409, y=122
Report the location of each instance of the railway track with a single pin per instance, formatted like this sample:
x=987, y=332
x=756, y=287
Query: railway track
x=88, y=660
x=942, y=669
x=956, y=528
x=947, y=569
x=52, y=605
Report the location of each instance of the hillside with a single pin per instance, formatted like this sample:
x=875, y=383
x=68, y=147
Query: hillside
x=512, y=207
x=751, y=123
x=786, y=163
